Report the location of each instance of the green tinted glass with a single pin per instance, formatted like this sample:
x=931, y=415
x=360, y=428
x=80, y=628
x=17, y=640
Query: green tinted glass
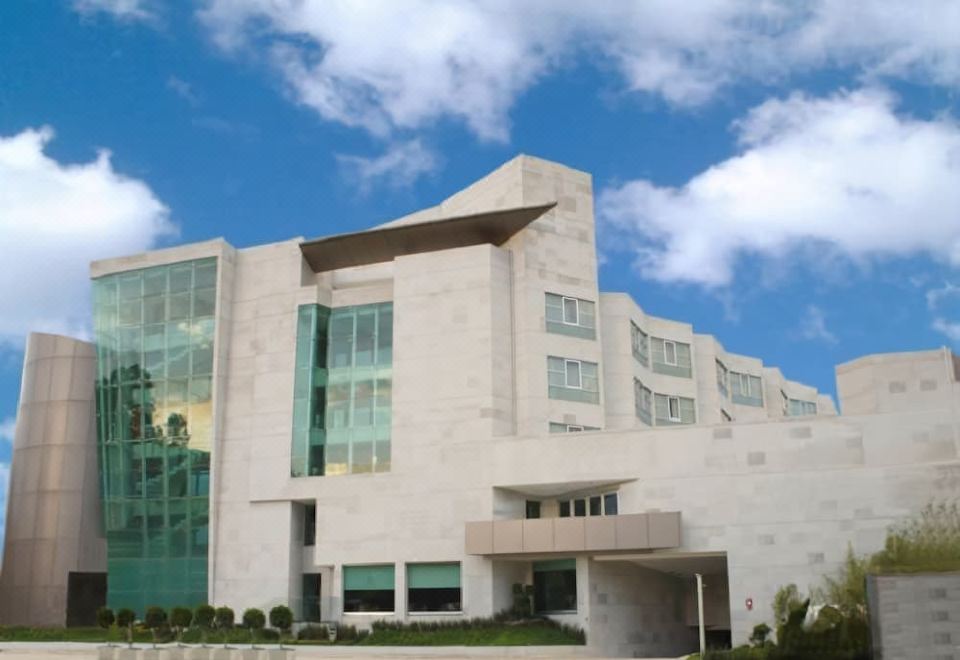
x=155, y=344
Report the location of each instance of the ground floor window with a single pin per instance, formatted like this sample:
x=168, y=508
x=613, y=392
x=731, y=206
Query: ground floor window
x=368, y=588
x=433, y=587
x=555, y=585
x=311, y=596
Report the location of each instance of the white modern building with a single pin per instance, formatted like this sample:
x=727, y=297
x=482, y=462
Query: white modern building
x=404, y=423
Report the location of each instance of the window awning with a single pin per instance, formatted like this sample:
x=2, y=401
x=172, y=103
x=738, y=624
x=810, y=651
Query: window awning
x=380, y=245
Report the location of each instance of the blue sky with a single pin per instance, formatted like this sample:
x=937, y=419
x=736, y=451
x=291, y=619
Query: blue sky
x=785, y=176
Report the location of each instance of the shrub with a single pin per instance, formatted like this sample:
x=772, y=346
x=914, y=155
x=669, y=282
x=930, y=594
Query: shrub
x=522, y=601
x=314, y=633
x=254, y=619
x=180, y=619
x=760, y=633
x=125, y=617
x=281, y=617
x=105, y=617
x=223, y=618
x=155, y=617
x=203, y=617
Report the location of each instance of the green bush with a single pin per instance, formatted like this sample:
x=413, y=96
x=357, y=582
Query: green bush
x=761, y=632
x=281, y=618
x=473, y=632
x=181, y=618
x=125, y=617
x=254, y=619
x=105, y=617
x=223, y=618
x=155, y=617
x=204, y=616
x=314, y=633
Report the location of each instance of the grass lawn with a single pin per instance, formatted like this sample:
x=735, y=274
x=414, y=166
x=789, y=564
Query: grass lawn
x=503, y=635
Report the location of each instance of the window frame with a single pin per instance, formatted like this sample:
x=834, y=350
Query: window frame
x=344, y=590
x=566, y=373
x=576, y=309
x=666, y=359
x=410, y=610
x=670, y=404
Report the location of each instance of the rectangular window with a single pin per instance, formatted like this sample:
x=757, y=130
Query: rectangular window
x=670, y=353
x=610, y=504
x=573, y=380
x=746, y=389
x=368, y=588
x=555, y=586
x=673, y=406
x=642, y=401
x=560, y=427
x=640, y=342
x=579, y=508
x=532, y=509
x=565, y=508
x=433, y=587
x=722, y=378
x=311, y=597
x=596, y=506
x=798, y=408
x=669, y=357
x=573, y=374
x=674, y=410
x=571, y=316
x=309, y=524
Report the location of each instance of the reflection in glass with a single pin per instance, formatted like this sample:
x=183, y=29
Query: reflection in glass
x=155, y=345
x=342, y=390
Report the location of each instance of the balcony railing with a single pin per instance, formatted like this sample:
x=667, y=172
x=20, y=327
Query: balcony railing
x=639, y=531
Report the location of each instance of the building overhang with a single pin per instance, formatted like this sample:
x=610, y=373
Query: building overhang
x=637, y=532
x=387, y=243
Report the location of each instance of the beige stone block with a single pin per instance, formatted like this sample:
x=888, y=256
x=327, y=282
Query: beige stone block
x=601, y=533
x=538, y=535
x=664, y=529
x=479, y=538
x=632, y=532
x=507, y=536
x=569, y=534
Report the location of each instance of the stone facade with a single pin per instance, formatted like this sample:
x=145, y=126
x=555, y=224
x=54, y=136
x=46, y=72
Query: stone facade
x=915, y=616
x=769, y=484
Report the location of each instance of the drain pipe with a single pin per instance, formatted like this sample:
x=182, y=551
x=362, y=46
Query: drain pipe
x=703, y=636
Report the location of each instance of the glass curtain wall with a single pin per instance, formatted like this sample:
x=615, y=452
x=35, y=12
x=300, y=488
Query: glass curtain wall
x=343, y=390
x=154, y=332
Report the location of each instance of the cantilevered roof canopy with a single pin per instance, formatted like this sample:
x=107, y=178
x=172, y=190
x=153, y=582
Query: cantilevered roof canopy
x=379, y=245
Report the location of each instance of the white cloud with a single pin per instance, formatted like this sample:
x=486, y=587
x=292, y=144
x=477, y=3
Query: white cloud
x=183, y=89
x=6, y=429
x=125, y=10
x=844, y=173
x=936, y=296
x=400, y=165
x=385, y=65
x=56, y=218
x=950, y=329
x=813, y=326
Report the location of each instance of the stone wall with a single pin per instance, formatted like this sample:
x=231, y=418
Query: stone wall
x=915, y=616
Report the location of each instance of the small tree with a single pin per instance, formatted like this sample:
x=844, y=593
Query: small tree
x=125, y=619
x=522, y=601
x=281, y=618
x=180, y=619
x=761, y=632
x=223, y=619
x=254, y=621
x=155, y=618
x=105, y=617
x=203, y=618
